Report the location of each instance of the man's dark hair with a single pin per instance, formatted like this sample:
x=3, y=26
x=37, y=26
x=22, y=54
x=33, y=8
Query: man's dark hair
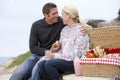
x=47, y=7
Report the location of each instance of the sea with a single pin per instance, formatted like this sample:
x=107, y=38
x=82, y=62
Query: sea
x=2, y=59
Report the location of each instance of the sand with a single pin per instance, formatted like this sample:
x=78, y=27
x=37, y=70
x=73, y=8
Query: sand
x=5, y=76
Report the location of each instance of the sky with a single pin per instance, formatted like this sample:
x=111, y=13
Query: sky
x=17, y=16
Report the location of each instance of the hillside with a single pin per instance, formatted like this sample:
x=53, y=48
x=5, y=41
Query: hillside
x=18, y=60
x=11, y=64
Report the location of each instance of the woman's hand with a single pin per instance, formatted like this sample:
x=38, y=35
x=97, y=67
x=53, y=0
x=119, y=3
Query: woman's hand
x=49, y=56
x=85, y=27
x=55, y=47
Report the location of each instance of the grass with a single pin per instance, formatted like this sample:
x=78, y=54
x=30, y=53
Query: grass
x=20, y=59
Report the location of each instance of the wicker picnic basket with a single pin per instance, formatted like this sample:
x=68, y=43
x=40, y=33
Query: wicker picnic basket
x=106, y=37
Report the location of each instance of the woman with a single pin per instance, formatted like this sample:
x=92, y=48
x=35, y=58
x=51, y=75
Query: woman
x=73, y=43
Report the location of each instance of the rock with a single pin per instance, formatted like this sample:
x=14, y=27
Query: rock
x=4, y=67
x=109, y=23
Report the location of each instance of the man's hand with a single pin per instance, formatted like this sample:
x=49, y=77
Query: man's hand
x=55, y=47
x=85, y=27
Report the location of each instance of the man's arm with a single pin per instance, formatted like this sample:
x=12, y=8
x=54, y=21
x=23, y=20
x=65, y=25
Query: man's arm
x=34, y=42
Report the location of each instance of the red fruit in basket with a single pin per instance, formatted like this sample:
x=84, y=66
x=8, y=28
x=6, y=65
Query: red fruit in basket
x=115, y=50
x=90, y=55
x=106, y=50
x=91, y=51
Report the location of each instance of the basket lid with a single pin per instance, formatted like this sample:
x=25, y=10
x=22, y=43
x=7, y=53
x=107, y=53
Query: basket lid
x=108, y=37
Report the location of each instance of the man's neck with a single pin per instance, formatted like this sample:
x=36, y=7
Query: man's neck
x=48, y=21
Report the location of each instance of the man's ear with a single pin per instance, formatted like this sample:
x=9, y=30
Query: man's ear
x=45, y=15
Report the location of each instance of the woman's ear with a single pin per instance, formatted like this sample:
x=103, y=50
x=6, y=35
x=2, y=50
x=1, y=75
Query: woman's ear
x=69, y=16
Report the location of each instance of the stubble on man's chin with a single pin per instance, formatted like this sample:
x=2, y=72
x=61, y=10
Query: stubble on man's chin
x=56, y=21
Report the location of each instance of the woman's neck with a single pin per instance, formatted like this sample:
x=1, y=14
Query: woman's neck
x=70, y=23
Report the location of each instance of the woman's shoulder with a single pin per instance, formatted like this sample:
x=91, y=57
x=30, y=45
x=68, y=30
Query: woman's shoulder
x=65, y=28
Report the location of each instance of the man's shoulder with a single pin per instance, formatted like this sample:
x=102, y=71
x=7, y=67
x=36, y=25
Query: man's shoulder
x=60, y=22
x=60, y=19
x=38, y=21
x=36, y=24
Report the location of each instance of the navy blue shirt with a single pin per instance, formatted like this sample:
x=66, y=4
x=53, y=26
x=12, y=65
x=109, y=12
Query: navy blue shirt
x=43, y=35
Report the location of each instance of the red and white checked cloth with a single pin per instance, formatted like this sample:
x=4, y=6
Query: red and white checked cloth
x=111, y=61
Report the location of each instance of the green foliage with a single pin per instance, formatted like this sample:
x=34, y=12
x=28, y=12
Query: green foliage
x=92, y=23
x=90, y=46
x=20, y=59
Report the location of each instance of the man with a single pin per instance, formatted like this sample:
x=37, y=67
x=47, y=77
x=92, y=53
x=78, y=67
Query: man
x=44, y=33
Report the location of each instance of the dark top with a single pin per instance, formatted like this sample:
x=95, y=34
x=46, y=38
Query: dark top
x=43, y=35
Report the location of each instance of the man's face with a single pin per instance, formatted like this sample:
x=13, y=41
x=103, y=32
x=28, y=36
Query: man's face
x=52, y=16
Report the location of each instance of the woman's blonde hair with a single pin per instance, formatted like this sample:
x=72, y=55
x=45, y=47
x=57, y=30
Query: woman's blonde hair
x=72, y=10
